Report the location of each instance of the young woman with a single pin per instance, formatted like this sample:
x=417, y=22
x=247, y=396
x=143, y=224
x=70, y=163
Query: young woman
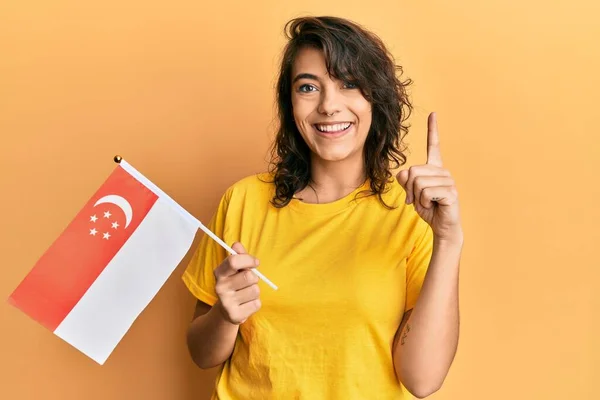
x=366, y=265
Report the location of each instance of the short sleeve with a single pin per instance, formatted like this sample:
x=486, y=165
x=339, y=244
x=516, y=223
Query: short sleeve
x=198, y=276
x=417, y=264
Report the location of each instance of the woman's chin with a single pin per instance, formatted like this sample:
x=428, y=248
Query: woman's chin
x=334, y=155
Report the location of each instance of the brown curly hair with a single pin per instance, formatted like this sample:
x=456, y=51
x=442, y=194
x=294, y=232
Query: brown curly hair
x=352, y=54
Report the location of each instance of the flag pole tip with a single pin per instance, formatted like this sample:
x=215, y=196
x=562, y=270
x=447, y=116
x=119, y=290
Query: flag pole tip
x=118, y=159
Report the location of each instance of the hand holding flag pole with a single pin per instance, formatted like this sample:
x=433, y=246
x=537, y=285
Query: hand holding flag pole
x=119, y=160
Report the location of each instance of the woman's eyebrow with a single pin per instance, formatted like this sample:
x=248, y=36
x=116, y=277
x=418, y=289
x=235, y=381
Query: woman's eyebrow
x=305, y=76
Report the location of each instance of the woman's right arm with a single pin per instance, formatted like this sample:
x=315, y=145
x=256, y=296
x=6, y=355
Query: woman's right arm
x=213, y=330
x=210, y=337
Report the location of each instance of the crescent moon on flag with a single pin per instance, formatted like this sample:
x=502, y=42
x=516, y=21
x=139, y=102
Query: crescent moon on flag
x=119, y=202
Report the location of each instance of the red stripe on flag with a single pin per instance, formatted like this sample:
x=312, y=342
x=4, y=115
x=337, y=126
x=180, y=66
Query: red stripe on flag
x=68, y=268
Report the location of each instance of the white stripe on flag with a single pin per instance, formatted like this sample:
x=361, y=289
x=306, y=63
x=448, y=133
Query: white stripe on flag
x=129, y=282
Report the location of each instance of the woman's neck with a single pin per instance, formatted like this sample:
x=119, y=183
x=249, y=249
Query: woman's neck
x=333, y=180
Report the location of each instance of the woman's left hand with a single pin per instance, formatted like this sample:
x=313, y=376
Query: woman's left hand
x=431, y=189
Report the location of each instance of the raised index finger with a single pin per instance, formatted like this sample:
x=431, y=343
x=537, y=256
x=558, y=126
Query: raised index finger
x=434, y=154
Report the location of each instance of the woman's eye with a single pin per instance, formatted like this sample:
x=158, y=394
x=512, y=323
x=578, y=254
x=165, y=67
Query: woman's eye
x=351, y=85
x=307, y=88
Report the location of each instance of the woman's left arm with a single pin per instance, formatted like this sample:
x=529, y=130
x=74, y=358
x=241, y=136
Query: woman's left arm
x=427, y=338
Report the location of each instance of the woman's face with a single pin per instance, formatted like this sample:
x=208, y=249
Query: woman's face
x=332, y=116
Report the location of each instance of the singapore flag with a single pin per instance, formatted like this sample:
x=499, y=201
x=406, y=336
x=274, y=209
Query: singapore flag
x=108, y=264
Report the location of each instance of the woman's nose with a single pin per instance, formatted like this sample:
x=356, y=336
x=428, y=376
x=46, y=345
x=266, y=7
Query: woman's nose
x=330, y=103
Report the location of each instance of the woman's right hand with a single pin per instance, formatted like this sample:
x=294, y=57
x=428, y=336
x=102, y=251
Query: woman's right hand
x=237, y=286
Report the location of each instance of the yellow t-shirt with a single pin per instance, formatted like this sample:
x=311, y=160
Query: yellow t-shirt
x=346, y=272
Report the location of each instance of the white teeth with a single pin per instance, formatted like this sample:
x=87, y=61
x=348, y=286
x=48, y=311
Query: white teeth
x=333, y=128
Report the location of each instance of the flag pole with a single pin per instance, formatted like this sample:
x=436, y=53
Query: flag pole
x=119, y=160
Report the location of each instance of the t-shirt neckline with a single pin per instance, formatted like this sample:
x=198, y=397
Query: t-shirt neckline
x=332, y=207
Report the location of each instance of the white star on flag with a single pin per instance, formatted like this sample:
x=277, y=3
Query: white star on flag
x=119, y=201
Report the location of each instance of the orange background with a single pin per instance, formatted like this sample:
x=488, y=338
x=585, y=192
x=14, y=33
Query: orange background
x=184, y=91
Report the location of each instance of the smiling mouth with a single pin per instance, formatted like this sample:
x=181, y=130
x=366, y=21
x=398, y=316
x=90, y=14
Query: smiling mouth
x=333, y=128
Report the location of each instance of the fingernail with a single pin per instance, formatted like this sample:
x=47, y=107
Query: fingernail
x=256, y=262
